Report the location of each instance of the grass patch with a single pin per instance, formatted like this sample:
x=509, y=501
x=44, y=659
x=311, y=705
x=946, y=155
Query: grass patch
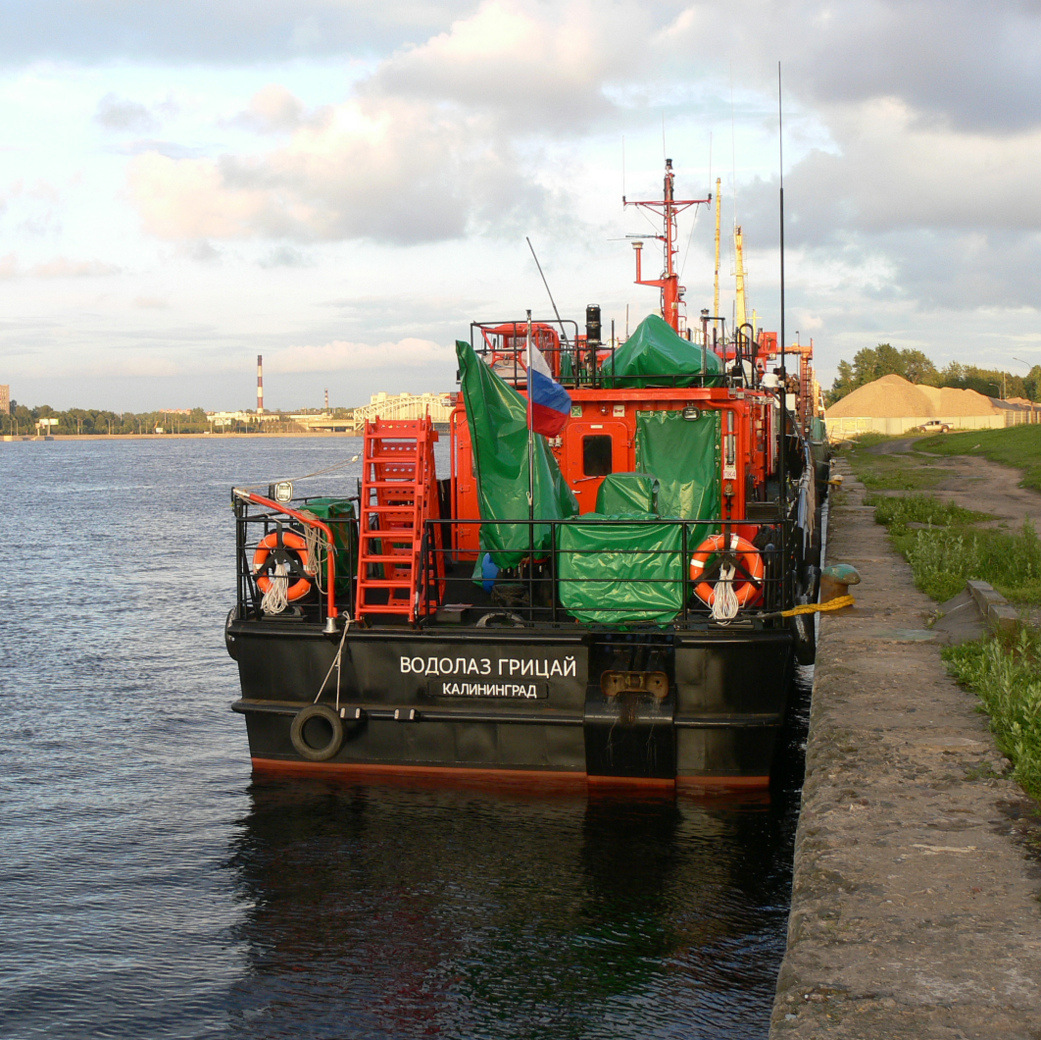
x=897, y=511
x=1018, y=446
x=1005, y=672
x=943, y=559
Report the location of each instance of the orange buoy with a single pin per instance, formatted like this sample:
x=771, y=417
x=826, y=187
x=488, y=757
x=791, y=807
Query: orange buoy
x=296, y=546
x=749, y=559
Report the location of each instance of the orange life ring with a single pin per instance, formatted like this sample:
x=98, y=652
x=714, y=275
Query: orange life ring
x=751, y=562
x=297, y=546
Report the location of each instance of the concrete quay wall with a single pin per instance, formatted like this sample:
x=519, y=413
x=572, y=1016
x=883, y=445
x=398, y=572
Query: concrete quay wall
x=916, y=902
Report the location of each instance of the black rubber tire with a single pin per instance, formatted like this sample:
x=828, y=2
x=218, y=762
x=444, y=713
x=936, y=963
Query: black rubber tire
x=298, y=733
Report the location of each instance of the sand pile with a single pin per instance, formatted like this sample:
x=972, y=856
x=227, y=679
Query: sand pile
x=893, y=397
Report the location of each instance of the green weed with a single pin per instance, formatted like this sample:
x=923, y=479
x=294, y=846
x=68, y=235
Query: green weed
x=897, y=511
x=1005, y=672
x=943, y=559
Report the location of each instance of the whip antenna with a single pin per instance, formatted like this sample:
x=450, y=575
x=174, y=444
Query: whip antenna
x=563, y=333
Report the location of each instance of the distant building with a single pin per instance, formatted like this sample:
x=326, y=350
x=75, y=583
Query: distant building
x=228, y=418
x=5, y=399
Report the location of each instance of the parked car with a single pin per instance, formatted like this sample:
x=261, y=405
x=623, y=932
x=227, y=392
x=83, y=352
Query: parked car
x=934, y=426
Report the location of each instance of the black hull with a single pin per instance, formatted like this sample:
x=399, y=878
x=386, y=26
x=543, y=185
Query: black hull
x=698, y=709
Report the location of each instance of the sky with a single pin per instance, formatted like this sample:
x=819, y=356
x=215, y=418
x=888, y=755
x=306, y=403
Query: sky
x=343, y=186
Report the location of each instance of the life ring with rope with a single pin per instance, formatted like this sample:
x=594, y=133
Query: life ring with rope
x=748, y=579
x=288, y=548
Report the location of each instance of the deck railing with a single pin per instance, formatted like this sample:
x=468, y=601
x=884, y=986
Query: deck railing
x=562, y=577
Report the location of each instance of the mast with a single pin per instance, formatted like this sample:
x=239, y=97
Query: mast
x=739, y=277
x=719, y=205
x=669, y=282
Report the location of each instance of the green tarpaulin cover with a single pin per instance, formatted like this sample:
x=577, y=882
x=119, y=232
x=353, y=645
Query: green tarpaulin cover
x=338, y=514
x=620, y=572
x=497, y=417
x=656, y=355
x=684, y=456
x=627, y=493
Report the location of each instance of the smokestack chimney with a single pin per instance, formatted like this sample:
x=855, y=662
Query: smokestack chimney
x=260, y=383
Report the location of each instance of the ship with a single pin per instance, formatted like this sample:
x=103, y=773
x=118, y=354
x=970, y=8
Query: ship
x=601, y=585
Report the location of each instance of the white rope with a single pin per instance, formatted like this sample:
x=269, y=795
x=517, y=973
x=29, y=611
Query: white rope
x=276, y=599
x=337, y=663
x=724, y=601
x=317, y=545
x=307, y=476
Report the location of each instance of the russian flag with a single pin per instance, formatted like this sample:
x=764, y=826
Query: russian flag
x=550, y=402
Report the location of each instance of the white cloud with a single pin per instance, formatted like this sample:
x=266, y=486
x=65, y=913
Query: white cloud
x=390, y=171
x=116, y=113
x=345, y=356
x=63, y=267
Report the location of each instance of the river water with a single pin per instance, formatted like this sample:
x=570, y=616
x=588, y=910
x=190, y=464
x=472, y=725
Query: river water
x=150, y=888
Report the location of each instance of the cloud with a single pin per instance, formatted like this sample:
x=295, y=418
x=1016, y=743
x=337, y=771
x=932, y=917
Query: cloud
x=343, y=355
x=286, y=256
x=62, y=267
x=895, y=170
x=58, y=267
x=116, y=113
x=391, y=171
x=533, y=65
x=272, y=109
x=201, y=31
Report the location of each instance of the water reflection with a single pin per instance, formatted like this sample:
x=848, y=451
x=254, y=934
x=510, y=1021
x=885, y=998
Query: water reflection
x=375, y=911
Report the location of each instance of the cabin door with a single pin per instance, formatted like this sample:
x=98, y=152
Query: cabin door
x=595, y=450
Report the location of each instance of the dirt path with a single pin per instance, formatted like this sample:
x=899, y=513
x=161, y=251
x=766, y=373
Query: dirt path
x=978, y=483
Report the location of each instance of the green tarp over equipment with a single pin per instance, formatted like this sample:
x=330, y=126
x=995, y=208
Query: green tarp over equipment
x=620, y=570
x=684, y=456
x=627, y=493
x=498, y=421
x=339, y=515
x=656, y=355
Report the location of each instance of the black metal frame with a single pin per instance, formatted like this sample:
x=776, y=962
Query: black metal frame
x=541, y=603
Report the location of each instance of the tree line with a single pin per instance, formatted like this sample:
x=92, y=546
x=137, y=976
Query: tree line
x=25, y=421
x=872, y=363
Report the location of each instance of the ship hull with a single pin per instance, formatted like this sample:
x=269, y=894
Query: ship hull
x=697, y=709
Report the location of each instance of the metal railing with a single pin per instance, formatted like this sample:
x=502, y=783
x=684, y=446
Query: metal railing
x=556, y=570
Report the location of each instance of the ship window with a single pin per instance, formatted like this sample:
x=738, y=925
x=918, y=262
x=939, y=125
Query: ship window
x=596, y=455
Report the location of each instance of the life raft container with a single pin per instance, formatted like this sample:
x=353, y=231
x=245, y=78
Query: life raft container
x=294, y=551
x=748, y=581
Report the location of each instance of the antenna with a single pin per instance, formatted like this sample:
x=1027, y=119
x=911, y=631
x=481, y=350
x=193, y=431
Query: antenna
x=782, y=453
x=563, y=332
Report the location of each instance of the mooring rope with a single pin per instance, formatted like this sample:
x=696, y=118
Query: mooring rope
x=307, y=476
x=337, y=662
x=812, y=608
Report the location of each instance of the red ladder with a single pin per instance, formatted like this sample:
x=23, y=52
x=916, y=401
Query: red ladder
x=398, y=495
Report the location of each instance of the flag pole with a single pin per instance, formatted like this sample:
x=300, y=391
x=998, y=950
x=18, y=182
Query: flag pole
x=531, y=461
